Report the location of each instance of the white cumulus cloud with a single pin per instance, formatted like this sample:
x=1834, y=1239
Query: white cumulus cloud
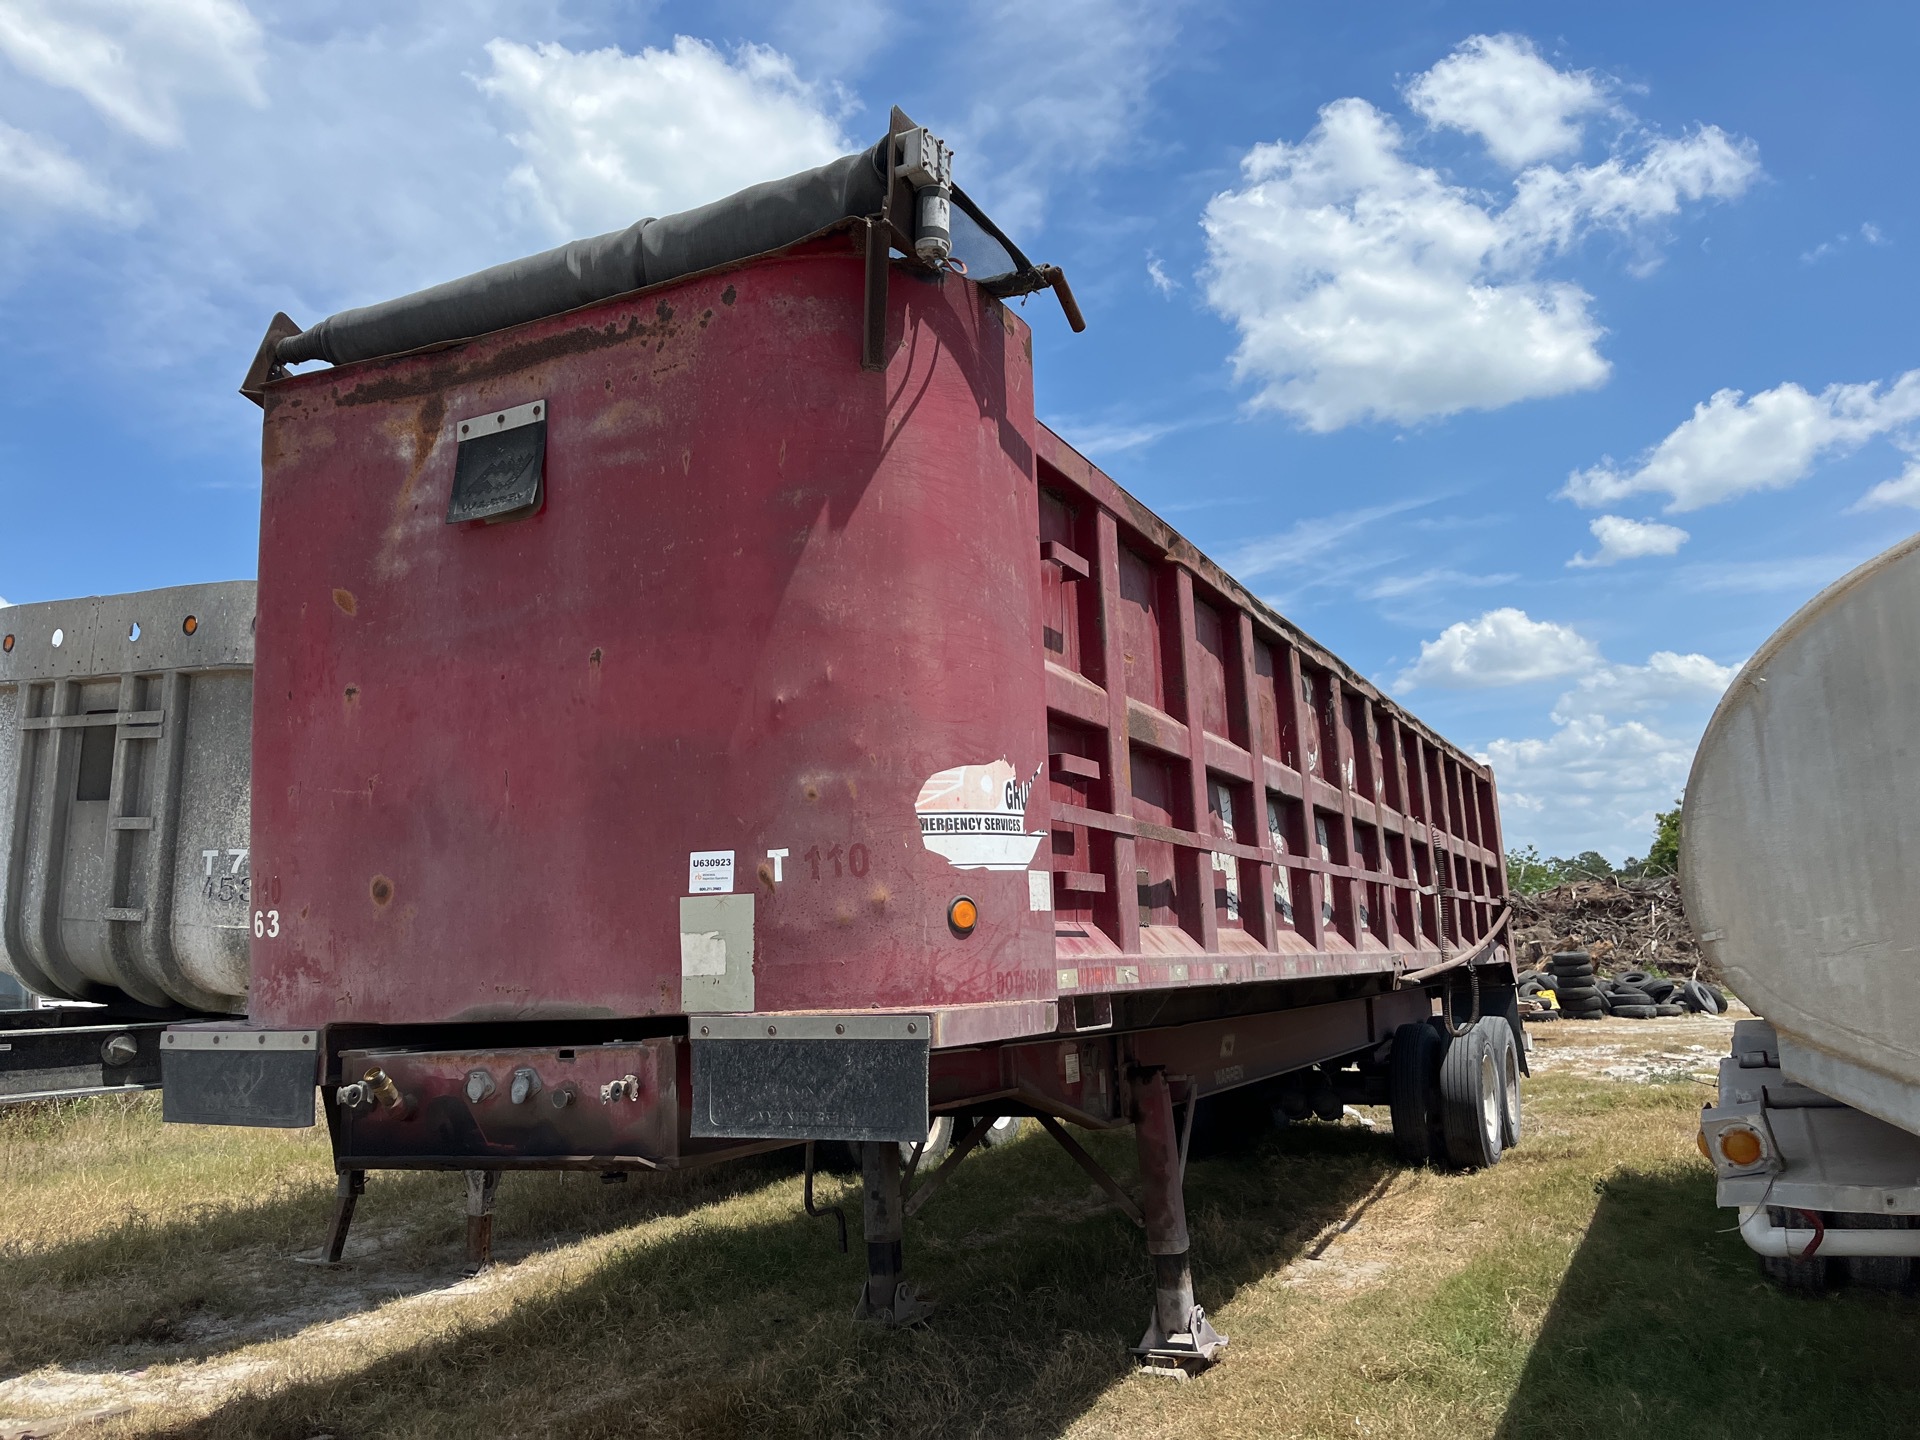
x=1498, y=88
x=1622, y=744
x=1903, y=489
x=1735, y=444
x=43, y=177
x=1057, y=102
x=135, y=61
x=1667, y=678
x=608, y=136
x=1364, y=284
x=1503, y=647
x=1624, y=539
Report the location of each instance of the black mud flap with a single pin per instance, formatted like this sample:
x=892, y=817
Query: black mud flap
x=215, y=1076
x=810, y=1077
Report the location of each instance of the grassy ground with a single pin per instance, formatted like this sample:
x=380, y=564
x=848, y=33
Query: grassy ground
x=1585, y=1287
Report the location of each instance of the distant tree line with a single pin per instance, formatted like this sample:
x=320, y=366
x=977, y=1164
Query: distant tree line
x=1529, y=872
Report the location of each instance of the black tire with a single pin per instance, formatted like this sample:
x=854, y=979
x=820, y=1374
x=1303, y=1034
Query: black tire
x=1669, y=1010
x=1526, y=975
x=1635, y=978
x=1540, y=1017
x=1633, y=1012
x=1660, y=990
x=1719, y=999
x=1507, y=1061
x=1003, y=1130
x=1694, y=996
x=1809, y=1277
x=1413, y=1091
x=1530, y=988
x=1616, y=998
x=1575, y=993
x=1567, y=969
x=1877, y=1272
x=1470, y=1100
x=939, y=1141
x=1570, y=957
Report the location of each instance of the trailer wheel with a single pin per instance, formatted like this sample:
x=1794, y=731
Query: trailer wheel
x=1413, y=1091
x=1809, y=1277
x=1507, y=1054
x=1470, y=1100
x=939, y=1141
x=1007, y=1127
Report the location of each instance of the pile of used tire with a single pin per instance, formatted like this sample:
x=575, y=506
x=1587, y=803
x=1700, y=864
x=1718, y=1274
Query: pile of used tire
x=1580, y=993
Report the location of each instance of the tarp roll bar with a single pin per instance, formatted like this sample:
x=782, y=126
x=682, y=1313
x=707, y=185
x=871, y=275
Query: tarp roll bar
x=760, y=218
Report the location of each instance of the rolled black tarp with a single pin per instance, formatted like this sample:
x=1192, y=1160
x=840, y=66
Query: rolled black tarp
x=760, y=218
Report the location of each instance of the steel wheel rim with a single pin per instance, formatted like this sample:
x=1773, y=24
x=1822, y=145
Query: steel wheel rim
x=1490, y=1099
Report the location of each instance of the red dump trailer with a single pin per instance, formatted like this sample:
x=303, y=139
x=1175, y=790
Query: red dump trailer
x=720, y=716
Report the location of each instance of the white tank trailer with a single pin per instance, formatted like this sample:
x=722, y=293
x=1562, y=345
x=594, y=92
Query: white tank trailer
x=1800, y=848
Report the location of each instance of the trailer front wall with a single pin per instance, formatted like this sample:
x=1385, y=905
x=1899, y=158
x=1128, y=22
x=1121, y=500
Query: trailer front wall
x=774, y=608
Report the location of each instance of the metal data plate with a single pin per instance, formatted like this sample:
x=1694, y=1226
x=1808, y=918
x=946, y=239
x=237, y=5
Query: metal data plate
x=805, y=1082
x=501, y=463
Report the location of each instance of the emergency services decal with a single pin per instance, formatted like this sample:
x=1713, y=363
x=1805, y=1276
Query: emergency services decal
x=976, y=816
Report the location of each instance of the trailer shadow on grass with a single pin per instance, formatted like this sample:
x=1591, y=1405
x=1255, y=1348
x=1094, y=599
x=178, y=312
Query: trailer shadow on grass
x=1664, y=1327
x=739, y=1323
x=229, y=1273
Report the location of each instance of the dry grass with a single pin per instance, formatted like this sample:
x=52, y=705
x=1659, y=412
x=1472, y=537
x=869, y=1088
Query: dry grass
x=1585, y=1287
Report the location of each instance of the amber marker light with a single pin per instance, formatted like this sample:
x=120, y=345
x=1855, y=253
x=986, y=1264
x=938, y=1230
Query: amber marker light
x=1740, y=1146
x=963, y=915
x=7, y=644
x=190, y=624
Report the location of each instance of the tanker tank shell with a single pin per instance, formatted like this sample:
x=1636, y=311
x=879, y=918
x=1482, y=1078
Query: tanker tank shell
x=1801, y=839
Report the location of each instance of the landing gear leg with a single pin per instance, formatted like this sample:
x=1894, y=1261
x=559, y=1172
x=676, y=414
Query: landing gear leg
x=886, y=1297
x=349, y=1186
x=1179, y=1341
x=482, y=1186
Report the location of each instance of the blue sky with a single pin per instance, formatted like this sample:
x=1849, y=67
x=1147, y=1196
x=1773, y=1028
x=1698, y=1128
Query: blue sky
x=1540, y=360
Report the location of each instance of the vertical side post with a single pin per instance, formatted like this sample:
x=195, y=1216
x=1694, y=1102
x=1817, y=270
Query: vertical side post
x=482, y=1186
x=1306, y=918
x=1178, y=1337
x=1256, y=909
x=1119, y=755
x=1202, y=919
x=1345, y=773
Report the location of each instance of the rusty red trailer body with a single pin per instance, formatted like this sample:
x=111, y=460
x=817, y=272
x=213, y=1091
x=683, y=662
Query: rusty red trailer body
x=825, y=748
x=779, y=607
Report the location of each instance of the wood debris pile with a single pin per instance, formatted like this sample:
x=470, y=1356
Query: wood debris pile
x=1623, y=924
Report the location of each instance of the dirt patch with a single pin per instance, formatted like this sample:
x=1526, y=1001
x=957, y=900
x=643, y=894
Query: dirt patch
x=1640, y=1051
